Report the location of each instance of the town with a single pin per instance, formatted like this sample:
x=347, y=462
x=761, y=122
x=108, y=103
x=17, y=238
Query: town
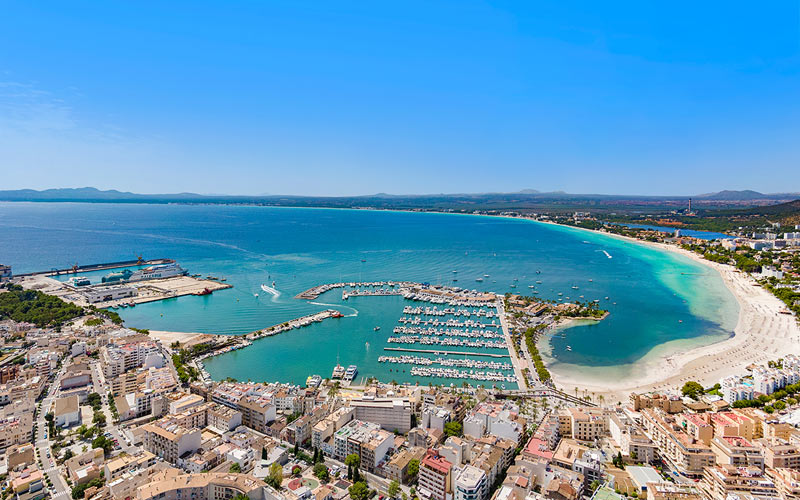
x=94, y=410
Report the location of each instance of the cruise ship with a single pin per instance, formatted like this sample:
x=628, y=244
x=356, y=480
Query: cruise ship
x=351, y=373
x=158, y=271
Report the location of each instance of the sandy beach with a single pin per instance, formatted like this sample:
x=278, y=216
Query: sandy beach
x=184, y=338
x=761, y=334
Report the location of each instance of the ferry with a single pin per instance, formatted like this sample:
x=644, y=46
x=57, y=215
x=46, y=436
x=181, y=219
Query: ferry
x=351, y=373
x=158, y=271
x=338, y=371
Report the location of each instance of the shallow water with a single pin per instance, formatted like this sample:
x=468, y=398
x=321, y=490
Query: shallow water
x=649, y=290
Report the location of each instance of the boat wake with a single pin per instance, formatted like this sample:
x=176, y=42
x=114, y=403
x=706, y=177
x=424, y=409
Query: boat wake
x=275, y=293
x=607, y=254
x=352, y=315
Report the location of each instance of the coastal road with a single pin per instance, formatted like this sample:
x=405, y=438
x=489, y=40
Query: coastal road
x=517, y=363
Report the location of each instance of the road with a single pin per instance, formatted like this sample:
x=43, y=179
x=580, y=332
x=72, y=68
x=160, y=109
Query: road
x=42, y=443
x=516, y=362
x=99, y=384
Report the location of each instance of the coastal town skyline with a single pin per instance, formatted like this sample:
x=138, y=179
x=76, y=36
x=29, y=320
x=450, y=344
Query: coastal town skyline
x=304, y=250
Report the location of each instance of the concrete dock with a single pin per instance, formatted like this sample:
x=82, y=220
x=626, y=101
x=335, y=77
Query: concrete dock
x=439, y=351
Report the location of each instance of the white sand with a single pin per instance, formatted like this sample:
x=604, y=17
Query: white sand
x=761, y=334
x=167, y=338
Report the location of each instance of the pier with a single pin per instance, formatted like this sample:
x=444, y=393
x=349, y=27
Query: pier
x=98, y=267
x=294, y=323
x=452, y=353
x=435, y=294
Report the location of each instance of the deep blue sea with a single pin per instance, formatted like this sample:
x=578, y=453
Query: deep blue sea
x=654, y=296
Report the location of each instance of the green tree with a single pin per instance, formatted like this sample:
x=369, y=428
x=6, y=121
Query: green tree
x=103, y=442
x=692, y=389
x=359, y=491
x=235, y=467
x=275, y=477
x=322, y=473
x=352, y=460
x=453, y=429
x=594, y=485
x=99, y=418
x=77, y=491
x=413, y=468
x=394, y=489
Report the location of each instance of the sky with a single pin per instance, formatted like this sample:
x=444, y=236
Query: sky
x=348, y=98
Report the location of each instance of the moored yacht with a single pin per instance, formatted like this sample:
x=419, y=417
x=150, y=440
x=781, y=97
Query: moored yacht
x=350, y=373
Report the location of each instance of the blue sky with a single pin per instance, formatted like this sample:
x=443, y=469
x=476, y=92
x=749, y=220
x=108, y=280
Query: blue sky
x=339, y=98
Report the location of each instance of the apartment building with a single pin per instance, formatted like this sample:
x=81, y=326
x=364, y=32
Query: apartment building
x=726, y=481
x=688, y=454
x=322, y=433
x=127, y=353
x=258, y=412
x=630, y=439
x=470, y=483
x=666, y=403
x=125, y=464
x=169, y=441
x=498, y=418
x=434, y=477
x=397, y=468
x=365, y=439
x=205, y=486
x=392, y=414
x=222, y=418
x=583, y=424
x=696, y=426
x=731, y=423
x=13, y=431
x=737, y=451
x=787, y=482
x=779, y=454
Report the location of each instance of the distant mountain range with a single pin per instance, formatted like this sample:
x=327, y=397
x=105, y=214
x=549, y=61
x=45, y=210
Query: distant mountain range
x=527, y=199
x=746, y=195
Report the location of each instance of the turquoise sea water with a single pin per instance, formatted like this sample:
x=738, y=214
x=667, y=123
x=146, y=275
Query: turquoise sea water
x=649, y=290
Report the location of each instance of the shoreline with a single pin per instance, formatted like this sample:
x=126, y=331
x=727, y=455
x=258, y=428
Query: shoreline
x=761, y=333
